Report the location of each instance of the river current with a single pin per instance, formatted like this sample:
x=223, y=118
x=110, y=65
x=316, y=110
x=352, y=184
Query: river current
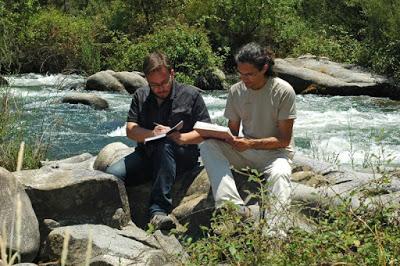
x=342, y=130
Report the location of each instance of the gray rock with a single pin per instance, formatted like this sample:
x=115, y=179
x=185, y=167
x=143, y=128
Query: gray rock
x=110, y=154
x=116, y=81
x=213, y=80
x=104, y=81
x=108, y=260
x=108, y=247
x=11, y=195
x=3, y=81
x=131, y=80
x=87, y=99
x=76, y=196
x=308, y=164
x=82, y=161
x=318, y=75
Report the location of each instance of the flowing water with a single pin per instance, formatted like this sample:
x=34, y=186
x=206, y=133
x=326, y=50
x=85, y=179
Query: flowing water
x=343, y=130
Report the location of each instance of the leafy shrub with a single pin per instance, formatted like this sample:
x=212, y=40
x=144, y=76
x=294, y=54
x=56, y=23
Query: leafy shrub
x=340, y=235
x=11, y=136
x=14, y=16
x=382, y=36
x=340, y=48
x=337, y=234
x=363, y=31
x=187, y=47
x=60, y=42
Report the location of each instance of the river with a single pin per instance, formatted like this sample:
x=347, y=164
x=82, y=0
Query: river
x=340, y=130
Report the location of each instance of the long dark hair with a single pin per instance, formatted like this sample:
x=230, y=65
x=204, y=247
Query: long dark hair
x=253, y=53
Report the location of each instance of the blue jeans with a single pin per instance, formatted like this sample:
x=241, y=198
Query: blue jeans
x=160, y=162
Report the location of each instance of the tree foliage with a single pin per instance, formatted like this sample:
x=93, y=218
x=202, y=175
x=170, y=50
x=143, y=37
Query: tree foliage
x=90, y=35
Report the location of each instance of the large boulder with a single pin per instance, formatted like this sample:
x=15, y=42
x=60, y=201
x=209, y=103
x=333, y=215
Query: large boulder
x=110, y=154
x=115, y=81
x=130, y=246
x=321, y=184
x=83, y=161
x=212, y=80
x=17, y=218
x=77, y=196
x=131, y=80
x=319, y=75
x=87, y=99
x=104, y=81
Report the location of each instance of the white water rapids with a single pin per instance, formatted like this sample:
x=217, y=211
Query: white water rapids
x=343, y=130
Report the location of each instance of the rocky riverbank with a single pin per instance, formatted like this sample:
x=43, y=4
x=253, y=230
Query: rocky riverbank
x=72, y=199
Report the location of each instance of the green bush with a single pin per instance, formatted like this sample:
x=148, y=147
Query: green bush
x=360, y=31
x=11, y=136
x=187, y=47
x=340, y=48
x=382, y=36
x=58, y=42
x=14, y=16
x=339, y=236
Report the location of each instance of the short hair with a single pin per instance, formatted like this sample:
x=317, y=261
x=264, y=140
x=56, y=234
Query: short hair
x=154, y=62
x=253, y=53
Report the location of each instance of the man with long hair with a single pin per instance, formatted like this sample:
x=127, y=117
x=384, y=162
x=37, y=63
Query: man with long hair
x=265, y=107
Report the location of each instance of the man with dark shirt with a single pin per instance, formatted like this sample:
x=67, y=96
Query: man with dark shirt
x=154, y=110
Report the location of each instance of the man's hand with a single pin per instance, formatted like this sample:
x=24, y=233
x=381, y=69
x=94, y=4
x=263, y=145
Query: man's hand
x=239, y=144
x=192, y=137
x=160, y=129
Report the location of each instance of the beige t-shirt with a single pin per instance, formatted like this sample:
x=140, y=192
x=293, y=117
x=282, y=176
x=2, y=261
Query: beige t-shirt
x=260, y=110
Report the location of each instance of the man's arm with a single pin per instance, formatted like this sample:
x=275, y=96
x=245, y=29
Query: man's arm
x=199, y=113
x=285, y=128
x=234, y=127
x=191, y=137
x=135, y=132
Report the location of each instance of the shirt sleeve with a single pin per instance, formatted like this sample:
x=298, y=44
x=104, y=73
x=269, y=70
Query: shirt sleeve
x=230, y=109
x=199, y=110
x=133, y=114
x=287, y=106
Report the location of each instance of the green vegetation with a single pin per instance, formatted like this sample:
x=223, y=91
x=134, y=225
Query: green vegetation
x=87, y=36
x=337, y=235
x=12, y=134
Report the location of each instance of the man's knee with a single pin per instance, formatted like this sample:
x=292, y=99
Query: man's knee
x=160, y=147
x=280, y=169
x=117, y=169
x=209, y=145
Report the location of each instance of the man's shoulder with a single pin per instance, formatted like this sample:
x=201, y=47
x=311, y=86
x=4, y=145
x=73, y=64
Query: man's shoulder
x=145, y=90
x=187, y=89
x=238, y=87
x=282, y=84
x=141, y=94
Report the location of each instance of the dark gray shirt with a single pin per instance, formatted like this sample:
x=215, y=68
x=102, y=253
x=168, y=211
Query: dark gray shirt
x=184, y=103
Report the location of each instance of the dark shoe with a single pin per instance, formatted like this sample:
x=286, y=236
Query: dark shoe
x=162, y=221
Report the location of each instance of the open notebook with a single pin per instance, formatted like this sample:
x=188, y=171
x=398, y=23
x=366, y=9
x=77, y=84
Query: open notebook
x=209, y=130
x=177, y=127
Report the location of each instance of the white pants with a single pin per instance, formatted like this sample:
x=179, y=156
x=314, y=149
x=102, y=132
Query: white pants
x=218, y=156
